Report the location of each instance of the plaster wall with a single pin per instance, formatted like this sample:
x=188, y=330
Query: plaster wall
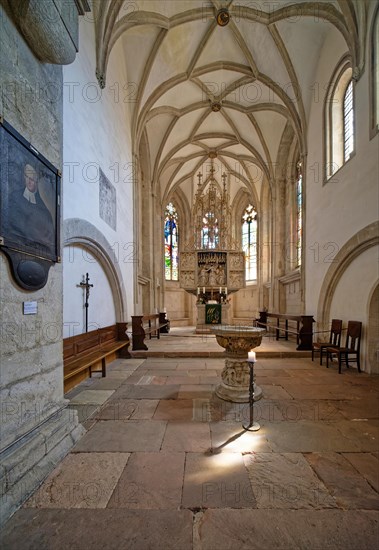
x=96, y=135
x=101, y=311
x=352, y=296
x=349, y=200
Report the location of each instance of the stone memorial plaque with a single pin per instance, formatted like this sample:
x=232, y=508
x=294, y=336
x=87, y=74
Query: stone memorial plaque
x=107, y=201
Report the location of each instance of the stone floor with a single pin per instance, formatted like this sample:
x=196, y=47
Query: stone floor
x=166, y=465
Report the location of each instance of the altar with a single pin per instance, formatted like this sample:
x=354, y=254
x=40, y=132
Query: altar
x=212, y=263
x=204, y=321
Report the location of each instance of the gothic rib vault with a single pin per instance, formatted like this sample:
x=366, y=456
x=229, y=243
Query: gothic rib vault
x=242, y=91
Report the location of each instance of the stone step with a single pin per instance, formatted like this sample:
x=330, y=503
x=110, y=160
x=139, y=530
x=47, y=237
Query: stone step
x=203, y=353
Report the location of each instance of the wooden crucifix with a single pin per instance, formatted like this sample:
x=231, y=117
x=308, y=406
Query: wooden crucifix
x=85, y=284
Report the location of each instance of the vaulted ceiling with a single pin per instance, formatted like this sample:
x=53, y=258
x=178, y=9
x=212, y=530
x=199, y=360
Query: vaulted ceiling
x=233, y=92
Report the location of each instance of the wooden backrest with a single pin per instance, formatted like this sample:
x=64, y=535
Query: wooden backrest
x=150, y=317
x=108, y=334
x=68, y=348
x=353, y=336
x=82, y=344
x=335, y=332
x=87, y=342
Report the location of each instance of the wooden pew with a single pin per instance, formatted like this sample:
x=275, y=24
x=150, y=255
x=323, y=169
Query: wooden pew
x=90, y=352
x=143, y=325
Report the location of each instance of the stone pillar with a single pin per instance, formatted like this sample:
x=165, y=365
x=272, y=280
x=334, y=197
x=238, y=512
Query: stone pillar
x=37, y=427
x=279, y=244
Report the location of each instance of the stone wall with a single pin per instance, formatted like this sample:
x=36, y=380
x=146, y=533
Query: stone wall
x=179, y=304
x=245, y=303
x=37, y=428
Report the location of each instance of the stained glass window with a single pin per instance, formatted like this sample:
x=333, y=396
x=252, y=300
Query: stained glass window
x=171, y=252
x=249, y=242
x=209, y=233
x=348, y=122
x=299, y=214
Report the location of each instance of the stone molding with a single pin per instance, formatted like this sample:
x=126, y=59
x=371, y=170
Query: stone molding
x=292, y=277
x=143, y=280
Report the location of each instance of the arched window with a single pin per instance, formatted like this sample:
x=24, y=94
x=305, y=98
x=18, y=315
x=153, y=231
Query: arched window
x=339, y=120
x=171, y=256
x=375, y=72
x=299, y=214
x=348, y=122
x=249, y=242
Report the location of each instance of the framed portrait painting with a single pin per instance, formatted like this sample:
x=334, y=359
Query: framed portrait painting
x=29, y=208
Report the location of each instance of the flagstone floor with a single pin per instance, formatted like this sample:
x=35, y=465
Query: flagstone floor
x=167, y=465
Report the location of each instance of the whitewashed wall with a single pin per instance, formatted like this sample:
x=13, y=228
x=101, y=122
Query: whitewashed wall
x=353, y=293
x=101, y=312
x=96, y=135
x=348, y=203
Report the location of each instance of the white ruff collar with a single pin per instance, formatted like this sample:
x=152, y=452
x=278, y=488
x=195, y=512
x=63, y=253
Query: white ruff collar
x=31, y=197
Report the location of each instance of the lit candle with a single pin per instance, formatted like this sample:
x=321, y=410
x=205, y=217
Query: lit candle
x=220, y=290
x=251, y=357
x=203, y=289
x=226, y=290
x=198, y=290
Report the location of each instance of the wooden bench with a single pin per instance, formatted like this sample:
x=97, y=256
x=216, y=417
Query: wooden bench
x=152, y=325
x=303, y=331
x=90, y=352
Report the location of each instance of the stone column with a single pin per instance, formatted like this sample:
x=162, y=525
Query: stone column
x=279, y=243
x=38, y=429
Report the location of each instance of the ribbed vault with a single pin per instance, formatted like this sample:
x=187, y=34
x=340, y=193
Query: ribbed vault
x=196, y=88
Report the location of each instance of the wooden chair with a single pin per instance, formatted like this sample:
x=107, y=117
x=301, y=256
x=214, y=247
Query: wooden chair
x=334, y=339
x=352, y=346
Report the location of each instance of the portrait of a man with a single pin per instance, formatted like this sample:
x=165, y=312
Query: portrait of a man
x=29, y=215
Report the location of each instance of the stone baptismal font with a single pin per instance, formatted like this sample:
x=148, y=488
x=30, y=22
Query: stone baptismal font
x=212, y=266
x=235, y=377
